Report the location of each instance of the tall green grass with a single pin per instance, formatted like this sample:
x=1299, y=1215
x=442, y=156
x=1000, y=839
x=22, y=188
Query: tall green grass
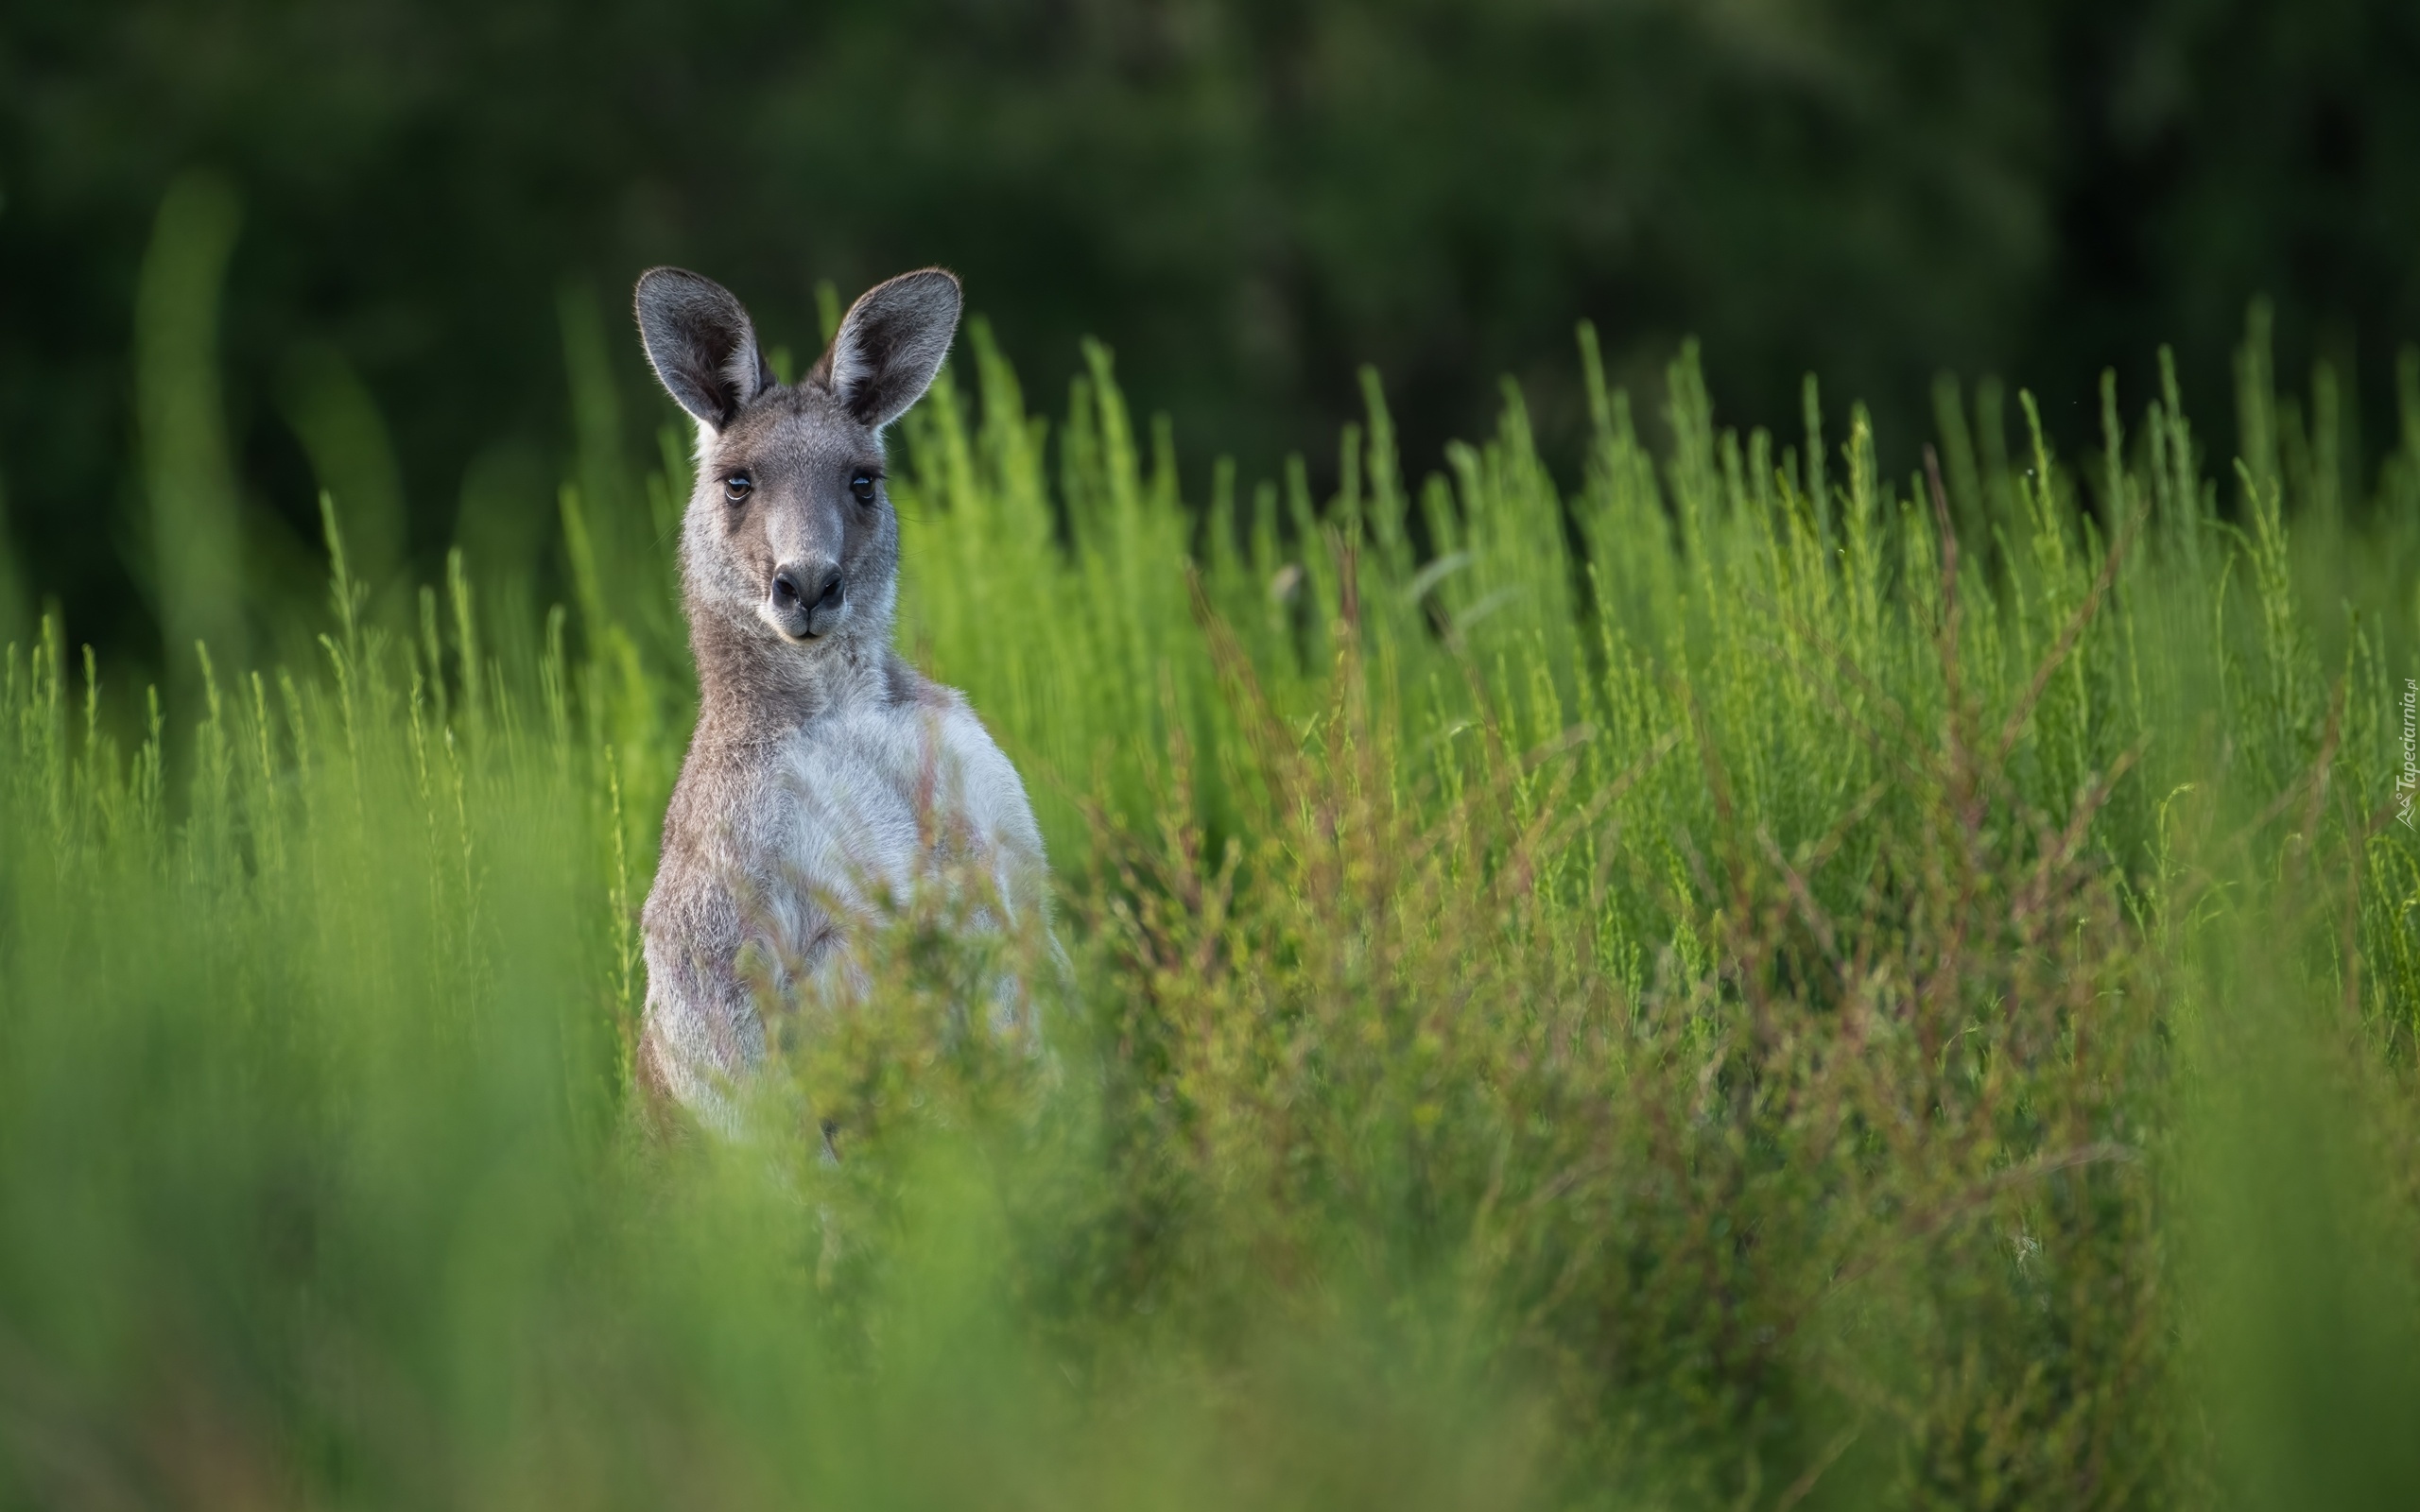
x=1739, y=980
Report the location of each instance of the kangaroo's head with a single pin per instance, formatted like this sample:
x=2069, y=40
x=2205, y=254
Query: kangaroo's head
x=790, y=549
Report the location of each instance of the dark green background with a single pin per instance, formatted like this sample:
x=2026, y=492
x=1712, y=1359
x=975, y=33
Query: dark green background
x=1245, y=200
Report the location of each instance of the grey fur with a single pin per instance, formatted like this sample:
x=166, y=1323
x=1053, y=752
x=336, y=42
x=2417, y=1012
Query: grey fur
x=826, y=777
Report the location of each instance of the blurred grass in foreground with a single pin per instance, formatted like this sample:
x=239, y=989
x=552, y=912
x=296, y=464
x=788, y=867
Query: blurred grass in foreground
x=1750, y=982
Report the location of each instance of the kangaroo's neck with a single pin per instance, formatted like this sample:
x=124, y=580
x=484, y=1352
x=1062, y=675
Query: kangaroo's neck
x=753, y=688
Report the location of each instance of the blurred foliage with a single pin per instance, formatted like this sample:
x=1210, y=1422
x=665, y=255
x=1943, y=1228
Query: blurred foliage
x=1245, y=200
x=1750, y=981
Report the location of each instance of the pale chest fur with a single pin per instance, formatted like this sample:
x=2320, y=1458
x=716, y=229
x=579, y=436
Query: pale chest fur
x=851, y=814
x=780, y=852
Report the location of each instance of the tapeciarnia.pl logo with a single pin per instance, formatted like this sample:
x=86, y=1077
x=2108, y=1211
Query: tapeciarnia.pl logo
x=2409, y=777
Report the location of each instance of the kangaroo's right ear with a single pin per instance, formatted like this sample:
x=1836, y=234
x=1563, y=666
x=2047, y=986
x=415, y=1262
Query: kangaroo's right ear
x=700, y=342
x=890, y=345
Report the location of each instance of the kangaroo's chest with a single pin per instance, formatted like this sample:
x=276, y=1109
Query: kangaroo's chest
x=855, y=809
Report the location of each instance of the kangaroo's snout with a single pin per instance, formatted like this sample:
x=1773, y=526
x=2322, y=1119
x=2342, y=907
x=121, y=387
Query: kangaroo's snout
x=806, y=598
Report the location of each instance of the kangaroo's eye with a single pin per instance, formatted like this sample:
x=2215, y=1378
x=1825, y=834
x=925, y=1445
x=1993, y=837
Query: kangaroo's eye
x=861, y=485
x=735, y=487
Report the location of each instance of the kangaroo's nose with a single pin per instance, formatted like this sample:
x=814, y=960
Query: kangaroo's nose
x=807, y=596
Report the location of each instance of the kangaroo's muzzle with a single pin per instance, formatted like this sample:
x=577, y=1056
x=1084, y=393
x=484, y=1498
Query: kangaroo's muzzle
x=806, y=599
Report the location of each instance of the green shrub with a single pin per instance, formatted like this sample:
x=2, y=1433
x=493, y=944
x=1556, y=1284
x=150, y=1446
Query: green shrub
x=1745, y=982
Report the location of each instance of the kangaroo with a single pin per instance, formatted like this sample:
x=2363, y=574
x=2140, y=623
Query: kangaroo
x=826, y=778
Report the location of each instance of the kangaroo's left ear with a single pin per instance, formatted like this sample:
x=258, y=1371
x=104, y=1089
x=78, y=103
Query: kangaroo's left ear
x=702, y=343
x=890, y=344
